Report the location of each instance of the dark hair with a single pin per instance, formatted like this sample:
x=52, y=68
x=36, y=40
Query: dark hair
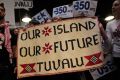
x=2, y=5
x=34, y=22
x=117, y=0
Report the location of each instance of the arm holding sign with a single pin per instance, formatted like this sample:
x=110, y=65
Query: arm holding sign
x=106, y=43
x=102, y=31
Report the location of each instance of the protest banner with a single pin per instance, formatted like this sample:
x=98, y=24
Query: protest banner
x=59, y=47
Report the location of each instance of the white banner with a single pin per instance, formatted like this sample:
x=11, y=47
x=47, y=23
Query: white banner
x=84, y=8
x=23, y=4
x=64, y=11
x=59, y=47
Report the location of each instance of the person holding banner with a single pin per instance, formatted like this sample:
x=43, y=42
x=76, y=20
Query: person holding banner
x=113, y=33
x=33, y=23
x=5, y=47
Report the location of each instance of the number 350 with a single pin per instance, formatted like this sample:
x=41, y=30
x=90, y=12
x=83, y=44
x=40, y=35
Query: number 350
x=60, y=10
x=82, y=5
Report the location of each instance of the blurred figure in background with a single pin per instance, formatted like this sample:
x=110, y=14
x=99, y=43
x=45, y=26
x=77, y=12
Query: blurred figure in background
x=113, y=33
x=5, y=47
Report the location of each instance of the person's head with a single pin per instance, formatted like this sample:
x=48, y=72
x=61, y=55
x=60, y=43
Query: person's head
x=16, y=31
x=2, y=11
x=33, y=22
x=116, y=9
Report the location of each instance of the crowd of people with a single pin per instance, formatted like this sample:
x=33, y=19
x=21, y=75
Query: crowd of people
x=8, y=44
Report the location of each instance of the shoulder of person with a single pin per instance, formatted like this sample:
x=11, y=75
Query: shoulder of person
x=111, y=22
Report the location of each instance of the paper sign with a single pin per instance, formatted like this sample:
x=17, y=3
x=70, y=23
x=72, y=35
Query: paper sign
x=64, y=11
x=42, y=16
x=45, y=15
x=84, y=8
x=103, y=70
x=60, y=47
x=93, y=7
x=23, y=4
x=38, y=17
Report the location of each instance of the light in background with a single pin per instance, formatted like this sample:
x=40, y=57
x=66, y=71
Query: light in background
x=108, y=18
x=26, y=19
